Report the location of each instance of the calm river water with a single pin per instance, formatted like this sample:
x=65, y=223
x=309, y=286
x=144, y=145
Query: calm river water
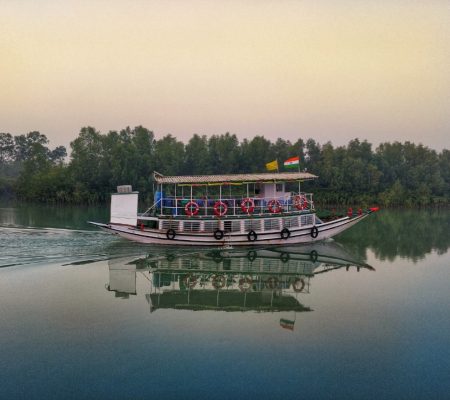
x=88, y=315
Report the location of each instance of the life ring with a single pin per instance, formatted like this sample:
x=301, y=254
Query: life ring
x=313, y=256
x=300, y=202
x=219, y=281
x=284, y=257
x=274, y=206
x=285, y=233
x=314, y=232
x=245, y=284
x=252, y=236
x=191, y=208
x=190, y=281
x=220, y=208
x=218, y=234
x=272, y=282
x=170, y=234
x=298, y=285
x=248, y=205
x=251, y=255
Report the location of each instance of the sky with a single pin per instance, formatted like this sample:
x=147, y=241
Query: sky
x=327, y=70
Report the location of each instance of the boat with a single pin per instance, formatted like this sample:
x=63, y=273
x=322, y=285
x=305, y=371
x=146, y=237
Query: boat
x=226, y=210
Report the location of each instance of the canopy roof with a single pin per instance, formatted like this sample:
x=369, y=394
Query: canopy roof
x=234, y=178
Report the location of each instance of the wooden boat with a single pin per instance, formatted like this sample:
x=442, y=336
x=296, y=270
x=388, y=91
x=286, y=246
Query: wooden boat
x=225, y=210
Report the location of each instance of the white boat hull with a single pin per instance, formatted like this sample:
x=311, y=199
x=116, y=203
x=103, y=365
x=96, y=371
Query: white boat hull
x=302, y=234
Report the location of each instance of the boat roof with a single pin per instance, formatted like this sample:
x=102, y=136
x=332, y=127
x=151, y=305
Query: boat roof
x=234, y=178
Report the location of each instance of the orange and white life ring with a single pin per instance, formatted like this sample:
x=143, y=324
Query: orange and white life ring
x=300, y=202
x=274, y=206
x=220, y=208
x=191, y=208
x=248, y=205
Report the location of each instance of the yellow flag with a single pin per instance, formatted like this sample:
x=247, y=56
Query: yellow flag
x=272, y=166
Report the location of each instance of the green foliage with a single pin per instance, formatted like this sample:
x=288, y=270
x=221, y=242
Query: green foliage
x=395, y=174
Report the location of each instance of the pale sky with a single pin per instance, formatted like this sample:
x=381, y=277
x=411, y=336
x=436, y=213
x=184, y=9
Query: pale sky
x=329, y=70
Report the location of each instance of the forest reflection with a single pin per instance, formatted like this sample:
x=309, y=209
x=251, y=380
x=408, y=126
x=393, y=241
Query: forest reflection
x=408, y=234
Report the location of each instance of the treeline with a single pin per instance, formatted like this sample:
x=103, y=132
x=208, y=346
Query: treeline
x=393, y=174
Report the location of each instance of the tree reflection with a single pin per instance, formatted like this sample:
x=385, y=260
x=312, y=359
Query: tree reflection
x=406, y=233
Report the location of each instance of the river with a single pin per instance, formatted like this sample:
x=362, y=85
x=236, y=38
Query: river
x=87, y=315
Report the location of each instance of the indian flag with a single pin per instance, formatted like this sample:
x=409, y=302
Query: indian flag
x=292, y=162
x=287, y=324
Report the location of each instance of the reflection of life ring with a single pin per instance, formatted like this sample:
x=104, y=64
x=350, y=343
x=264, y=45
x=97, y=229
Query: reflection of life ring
x=272, y=282
x=313, y=256
x=252, y=236
x=219, y=281
x=284, y=257
x=170, y=234
x=190, y=281
x=248, y=205
x=245, y=284
x=218, y=234
x=191, y=208
x=314, y=232
x=220, y=209
x=251, y=255
x=300, y=202
x=274, y=206
x=298, y=285
x=285, y=233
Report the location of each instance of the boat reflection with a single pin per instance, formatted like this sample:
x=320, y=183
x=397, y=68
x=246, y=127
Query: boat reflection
x=267, y=279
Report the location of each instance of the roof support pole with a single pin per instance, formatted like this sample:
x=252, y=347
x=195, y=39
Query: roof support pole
x=176, y=201
x=206, y=201
x=161, y=199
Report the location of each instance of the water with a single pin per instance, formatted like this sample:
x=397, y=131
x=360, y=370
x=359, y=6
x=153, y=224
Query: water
x=87, y=315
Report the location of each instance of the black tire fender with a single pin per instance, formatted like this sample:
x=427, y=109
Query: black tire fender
x=170, y=234
x=218, y=234
x=252, y=236
x=285, y=233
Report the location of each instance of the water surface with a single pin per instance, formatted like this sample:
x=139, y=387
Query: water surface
x=87, y=315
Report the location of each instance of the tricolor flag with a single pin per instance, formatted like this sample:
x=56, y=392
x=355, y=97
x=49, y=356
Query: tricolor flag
x=272, y=166
x=287, y=324
x=292, y=162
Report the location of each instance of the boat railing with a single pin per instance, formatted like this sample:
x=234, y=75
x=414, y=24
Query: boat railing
x=232, y=206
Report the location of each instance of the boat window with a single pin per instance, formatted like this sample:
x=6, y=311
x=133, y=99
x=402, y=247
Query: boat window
x=251, y=224
x=169, y=224
x=191, y=226
x=232, y=226
x=211, y=226
x=279, y=187
x=290, y=222
x=307, y=219
x=272, y=224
